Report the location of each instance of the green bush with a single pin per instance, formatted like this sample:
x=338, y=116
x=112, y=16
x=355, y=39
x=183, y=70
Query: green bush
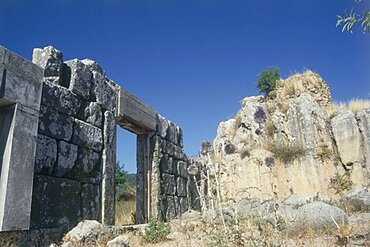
x=267, y=79
x=156, y=231
x=121, y=174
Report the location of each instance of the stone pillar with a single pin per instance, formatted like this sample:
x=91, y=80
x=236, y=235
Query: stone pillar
x=142, y=177
x=20, y=98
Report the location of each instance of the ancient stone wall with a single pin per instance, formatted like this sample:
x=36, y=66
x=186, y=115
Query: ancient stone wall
x=170, y=167
x=71, y=157
x=75, y=144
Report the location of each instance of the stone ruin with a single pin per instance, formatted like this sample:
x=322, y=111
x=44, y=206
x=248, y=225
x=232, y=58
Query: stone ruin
x=58, y=146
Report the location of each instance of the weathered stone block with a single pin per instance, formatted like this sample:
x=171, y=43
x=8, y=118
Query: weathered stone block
x=55, y=203
x=181, y=187
x=109, y=128
x=162, y=126
x=60, y=98
x=87, y=160
x=87, y=135
x=90, y=198
x=20, y=85
x=168, y=184
x=94, y=177
x=182, y=169
x=180, y=138
x=81, y=77
x=166, y=164
x=171, y=133
x=46, y=155
x=168, y=207
x=168, y=148
x=67, y=155
x=184, y=205
x=55, y=124
x=50, y=59
x=92, y=114
x=104, y=91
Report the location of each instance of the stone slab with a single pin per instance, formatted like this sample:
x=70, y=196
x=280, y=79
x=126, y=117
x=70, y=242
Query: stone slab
x=135, y=115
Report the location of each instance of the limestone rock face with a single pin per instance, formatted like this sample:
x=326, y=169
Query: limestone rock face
x=347, y=136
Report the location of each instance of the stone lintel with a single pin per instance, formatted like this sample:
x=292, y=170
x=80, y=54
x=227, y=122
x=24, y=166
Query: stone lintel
x=135, y=115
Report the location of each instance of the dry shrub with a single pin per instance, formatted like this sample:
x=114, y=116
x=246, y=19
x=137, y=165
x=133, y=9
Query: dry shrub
x=286, y=152
x=324, y=152
x=357, y=105
x=340, y=183
x=270, y=128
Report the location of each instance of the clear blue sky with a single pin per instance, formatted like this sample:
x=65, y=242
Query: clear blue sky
x=194, y=60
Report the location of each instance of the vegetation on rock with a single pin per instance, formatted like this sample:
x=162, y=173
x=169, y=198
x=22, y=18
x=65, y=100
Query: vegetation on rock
x=267, y=79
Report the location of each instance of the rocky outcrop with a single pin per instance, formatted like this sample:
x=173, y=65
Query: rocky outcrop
x=288, y=144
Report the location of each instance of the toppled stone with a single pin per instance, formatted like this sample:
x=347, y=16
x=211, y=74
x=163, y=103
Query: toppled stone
x=86, y=233
x=358, y=199
x=317, y=215
x=87, y=135
x=54, y=124
x=67, y=155
x=46, y=154
x=120, y=241
x=60, y=98
x=50, y=59
x=81, y=76
x=347, y=137
x=253, y=207
x=92, y=114
x=295, y=201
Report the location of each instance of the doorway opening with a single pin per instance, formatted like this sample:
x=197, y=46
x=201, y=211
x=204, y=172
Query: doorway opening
x=126, y=172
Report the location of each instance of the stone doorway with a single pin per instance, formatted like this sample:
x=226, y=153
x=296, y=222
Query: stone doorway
x=139, y=118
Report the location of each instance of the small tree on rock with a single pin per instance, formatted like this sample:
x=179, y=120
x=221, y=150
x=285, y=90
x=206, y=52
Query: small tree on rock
x=267, y=79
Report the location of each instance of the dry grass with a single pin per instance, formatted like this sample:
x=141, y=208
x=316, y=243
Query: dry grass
x=286, y=152
x=125, y=207
x=354, y=105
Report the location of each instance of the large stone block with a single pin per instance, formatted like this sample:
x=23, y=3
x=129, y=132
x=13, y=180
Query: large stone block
x=50, y=59
x=109, y=128
x=182, y=167
x=55, y=124
x=90, y=198
x=92, y=114
x=60, y=98
x=55, y=203
x=81, y=76
x=87, y=160
x=21, y=80
x=67, y=155
x=181, y=187
x=104, y=91
x=166, y=164
x=87, y=135
x=46, y=155
x=168, y=184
